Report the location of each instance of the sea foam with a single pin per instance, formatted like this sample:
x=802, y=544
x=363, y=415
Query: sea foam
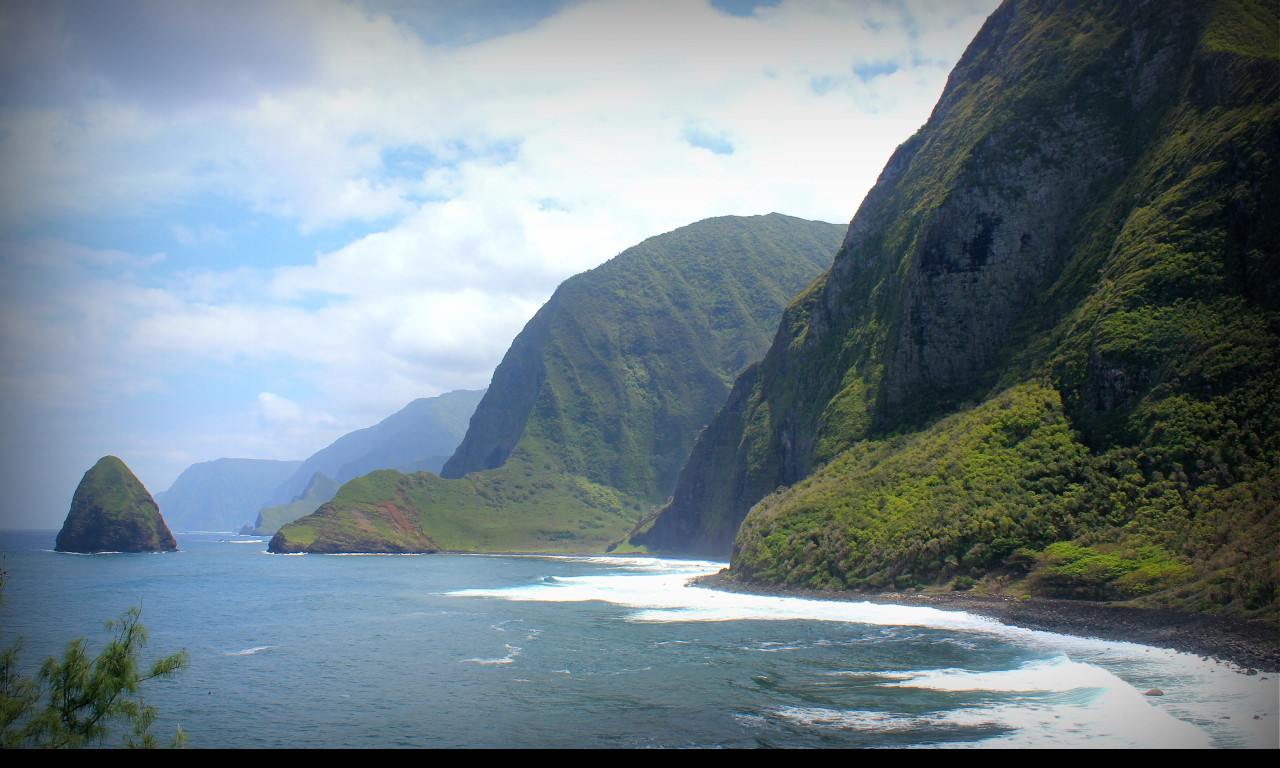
x=1050, y=703
x=1093, y=700
x=251, y=651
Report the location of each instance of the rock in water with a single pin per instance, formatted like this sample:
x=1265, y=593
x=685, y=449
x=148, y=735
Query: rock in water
x=113, y=512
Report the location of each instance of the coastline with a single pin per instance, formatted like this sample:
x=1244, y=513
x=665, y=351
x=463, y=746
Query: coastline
x=1249, y=646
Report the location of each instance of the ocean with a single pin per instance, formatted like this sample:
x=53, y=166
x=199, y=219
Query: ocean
x=595, y=652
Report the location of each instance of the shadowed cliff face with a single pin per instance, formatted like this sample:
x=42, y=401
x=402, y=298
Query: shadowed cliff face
x=500, y=418
x=975, y=262
x=616, y=373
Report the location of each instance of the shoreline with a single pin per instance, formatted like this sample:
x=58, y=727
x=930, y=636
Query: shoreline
x=1249, y=647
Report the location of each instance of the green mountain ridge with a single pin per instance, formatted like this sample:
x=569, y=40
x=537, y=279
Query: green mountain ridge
x=597, y=402
x=223, y=495
x=1077, y=246
x=318, y=491
x=113, y=512
x=426, y=427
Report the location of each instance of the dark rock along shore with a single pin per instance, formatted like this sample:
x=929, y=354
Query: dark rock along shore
x=1251, y=645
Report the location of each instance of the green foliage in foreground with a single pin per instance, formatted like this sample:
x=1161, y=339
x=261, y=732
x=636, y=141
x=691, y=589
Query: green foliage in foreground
x=79, y=701
x=1107, y=571
x=957, y=498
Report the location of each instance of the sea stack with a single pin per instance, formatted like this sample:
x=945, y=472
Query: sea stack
x=113, y=512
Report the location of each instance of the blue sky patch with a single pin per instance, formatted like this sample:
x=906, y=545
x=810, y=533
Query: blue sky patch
x=742, y=8
x=872, y=69
x=824, y=84
x=710, y=139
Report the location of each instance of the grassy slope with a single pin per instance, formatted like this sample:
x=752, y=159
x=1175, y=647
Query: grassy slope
x=270, y=519
x=981, y=490
x=112, y=511
x=636, y=355
x=519, y=507
x=1146, y=442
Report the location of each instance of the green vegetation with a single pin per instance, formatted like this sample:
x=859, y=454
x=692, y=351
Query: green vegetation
x=595, y=406
x=417, y=437
x=1106, y=572
x=1002, y=491
x=624, y=364
x=270, y=519
x=520, y=507
x=1047, y=354
x=80, y=701
x=112, y=512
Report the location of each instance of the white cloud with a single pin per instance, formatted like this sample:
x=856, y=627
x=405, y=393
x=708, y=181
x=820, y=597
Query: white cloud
x=591, y=98
x=483, y=175
x=291, y=422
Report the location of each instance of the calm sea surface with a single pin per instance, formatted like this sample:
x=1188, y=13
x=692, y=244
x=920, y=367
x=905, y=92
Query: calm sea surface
x=520, y=651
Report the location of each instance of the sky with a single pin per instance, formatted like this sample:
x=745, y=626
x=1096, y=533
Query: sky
x=243, y=229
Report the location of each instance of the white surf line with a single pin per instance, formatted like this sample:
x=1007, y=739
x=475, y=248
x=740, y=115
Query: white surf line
x=512, y=652
x=251, y=651
x=1196, y=690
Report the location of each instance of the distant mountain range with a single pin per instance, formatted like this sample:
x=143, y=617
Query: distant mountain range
x=426, y=430
x=318, y=491
x=231, y=494
x=221, y=495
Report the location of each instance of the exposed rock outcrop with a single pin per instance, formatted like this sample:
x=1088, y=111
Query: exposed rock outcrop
x=112, y=512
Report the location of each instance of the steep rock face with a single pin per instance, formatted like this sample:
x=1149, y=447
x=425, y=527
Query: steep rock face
x=1086, y=203
x=595, y=406
x=112, y=512
x=619, y=369
x=500, y=418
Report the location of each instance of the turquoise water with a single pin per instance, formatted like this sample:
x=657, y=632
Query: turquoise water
x=521, y=651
